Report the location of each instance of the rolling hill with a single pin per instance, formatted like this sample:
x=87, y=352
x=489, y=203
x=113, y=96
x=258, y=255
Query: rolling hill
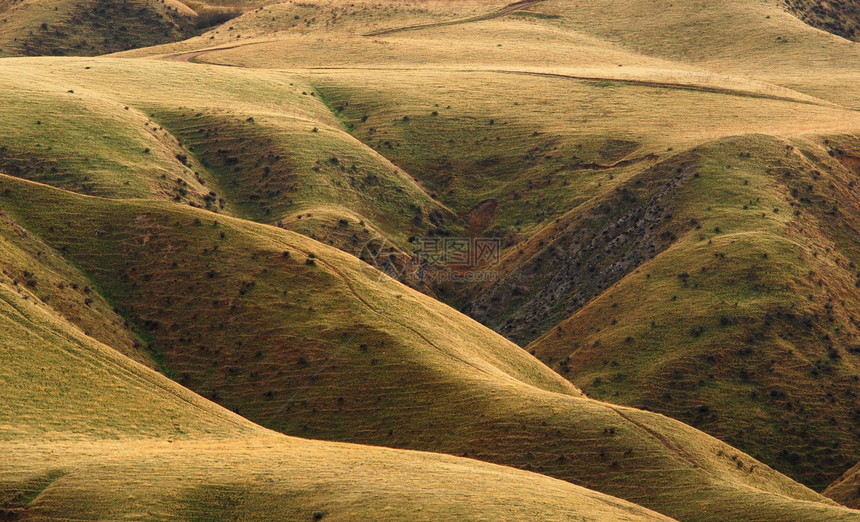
x=90, y=27
x=600, y=166
x=332, y=359
x=672, y=320
x=845, y=489
x=89, y=433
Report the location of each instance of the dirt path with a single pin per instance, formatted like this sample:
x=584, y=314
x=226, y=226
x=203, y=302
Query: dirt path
x=668, y=85
x=508, y=9
x=191, y=55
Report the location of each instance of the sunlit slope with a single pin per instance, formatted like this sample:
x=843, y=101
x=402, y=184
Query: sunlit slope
x=321, y=346
x=776, y=47
x=90, y=27
x=746, y=327
x=755, y=39
x=262, y=145
x=846, y=490
x=87, y=433
x=271, y=477
x=558, y=141
x=35, y=272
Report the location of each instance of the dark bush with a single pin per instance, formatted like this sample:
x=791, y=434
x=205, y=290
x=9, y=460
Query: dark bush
x=209, y=17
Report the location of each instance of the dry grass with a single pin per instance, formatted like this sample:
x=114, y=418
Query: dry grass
x=342, y=362
x=89, y=434
x=845, y=489
x=333, y=123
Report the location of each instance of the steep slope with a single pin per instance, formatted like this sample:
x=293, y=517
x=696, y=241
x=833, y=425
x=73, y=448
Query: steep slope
x=271, y=150
x=840, y=17
x=587, y=170
x=87, y=433
x=689, y=217
x=335, y=357
x=846, y=490
x=746, y=326
x=34, y=271
x=90, y=27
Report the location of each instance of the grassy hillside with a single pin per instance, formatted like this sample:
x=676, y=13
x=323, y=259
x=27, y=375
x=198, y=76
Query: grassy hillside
x=87, y=433
x=590, y=164
x=746, y=325
x=683, y=36
x=673, y=186
x=90, y=27
x=846, y=490
x=271, y=150
x=308, y=344
x=277, y=478
x=840, y=17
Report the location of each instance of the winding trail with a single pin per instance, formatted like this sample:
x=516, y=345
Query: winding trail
x=189, y=57
x=506, y=10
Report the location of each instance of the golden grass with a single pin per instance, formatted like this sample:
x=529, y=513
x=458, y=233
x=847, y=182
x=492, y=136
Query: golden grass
x=845, y=489
x=343, y=362
x=270, y=477
x=746, y=322
x=329, y=114
x=268, y=150
x=88, y=433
